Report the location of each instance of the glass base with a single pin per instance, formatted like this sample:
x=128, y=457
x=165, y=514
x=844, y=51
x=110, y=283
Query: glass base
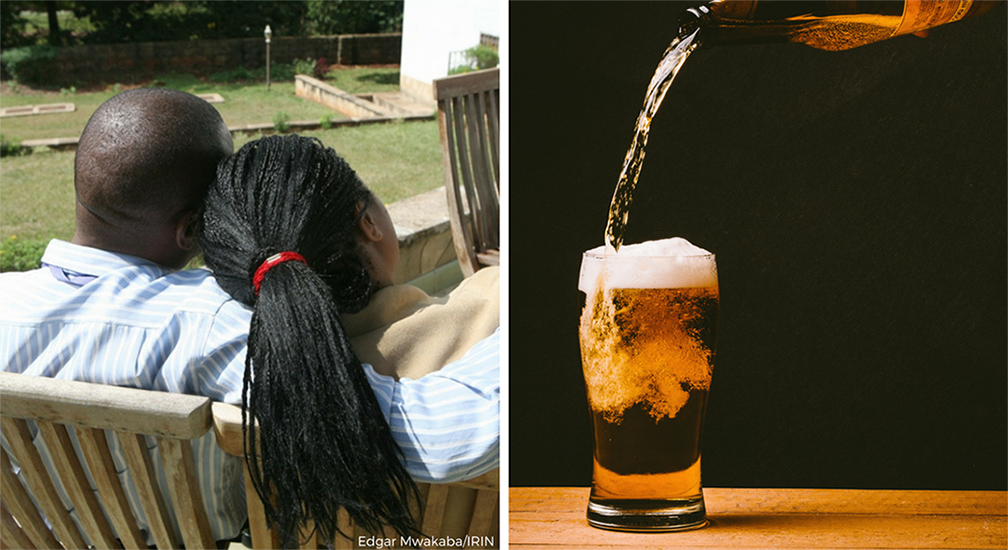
x=648, y=515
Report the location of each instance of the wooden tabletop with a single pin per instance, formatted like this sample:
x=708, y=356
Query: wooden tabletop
x=554, y=517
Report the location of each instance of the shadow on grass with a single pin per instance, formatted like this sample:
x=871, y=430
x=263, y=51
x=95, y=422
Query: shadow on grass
x=233, y=79
x=385, y=78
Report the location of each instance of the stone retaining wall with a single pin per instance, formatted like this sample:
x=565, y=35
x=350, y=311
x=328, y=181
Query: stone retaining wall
x=334, y=98
x=100, y=61
x=426, y=249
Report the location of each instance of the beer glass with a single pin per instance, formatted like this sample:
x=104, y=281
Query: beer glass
x=647, y=334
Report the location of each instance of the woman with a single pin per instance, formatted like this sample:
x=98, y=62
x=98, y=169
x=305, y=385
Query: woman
x=290, y=230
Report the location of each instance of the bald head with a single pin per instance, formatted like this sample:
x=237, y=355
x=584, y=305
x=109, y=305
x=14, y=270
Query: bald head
x=144, y=163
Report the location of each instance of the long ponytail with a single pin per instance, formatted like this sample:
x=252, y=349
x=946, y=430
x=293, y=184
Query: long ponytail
x=322, y=442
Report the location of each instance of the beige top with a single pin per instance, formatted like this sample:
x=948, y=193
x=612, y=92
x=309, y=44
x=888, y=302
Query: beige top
x=404, y=333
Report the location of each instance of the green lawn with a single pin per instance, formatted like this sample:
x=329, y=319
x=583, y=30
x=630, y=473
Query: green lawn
x=37, y=196
x=245, y=102
x=396, y=160
x=356, y=81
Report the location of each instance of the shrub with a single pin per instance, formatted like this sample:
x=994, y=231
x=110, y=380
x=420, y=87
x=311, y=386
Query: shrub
x=13, y=148
x=282, y=71
x=31, y=64
x=237, y=74
x=321, y=68
x=281, y=122
x=278, y=72
x=304, y=66
x=485, y=56
x=18, y=255
x=477, y=58
x=326, y=122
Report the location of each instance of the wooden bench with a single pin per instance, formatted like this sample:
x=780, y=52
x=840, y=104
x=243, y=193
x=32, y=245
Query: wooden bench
x=59, y=407
x=469, y=121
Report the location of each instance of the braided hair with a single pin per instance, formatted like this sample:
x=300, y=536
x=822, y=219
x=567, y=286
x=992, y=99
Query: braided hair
x=322, y=442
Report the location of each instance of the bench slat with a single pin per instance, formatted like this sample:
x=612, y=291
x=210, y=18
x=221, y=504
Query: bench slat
x=106, y=407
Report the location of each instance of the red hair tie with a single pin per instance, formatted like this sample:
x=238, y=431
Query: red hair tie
x=272, y=261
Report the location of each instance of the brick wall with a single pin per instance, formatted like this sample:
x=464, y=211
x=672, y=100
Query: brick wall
x=99, y=62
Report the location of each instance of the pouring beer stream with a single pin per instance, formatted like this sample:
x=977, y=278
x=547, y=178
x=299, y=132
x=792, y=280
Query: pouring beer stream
x=619, y=209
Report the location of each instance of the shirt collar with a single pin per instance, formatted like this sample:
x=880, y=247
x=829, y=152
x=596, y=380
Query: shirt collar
x=93, y=261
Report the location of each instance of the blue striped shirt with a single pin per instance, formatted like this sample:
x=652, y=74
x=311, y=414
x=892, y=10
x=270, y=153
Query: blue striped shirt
x=138, y=324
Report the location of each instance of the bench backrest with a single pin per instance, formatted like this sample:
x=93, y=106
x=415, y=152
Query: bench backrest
x=58, y=408
x=34, y=516
x=469, y=121
x=450, y=510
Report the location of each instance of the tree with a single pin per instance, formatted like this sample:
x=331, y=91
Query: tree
x=55, y=39
x=12, y=25
x=118, y=22
x=348, y=17
x=50, y=7
x=153, y=20
x=245, y=19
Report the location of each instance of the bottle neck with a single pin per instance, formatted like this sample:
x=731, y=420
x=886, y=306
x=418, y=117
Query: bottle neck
x=692, y=19
x=710, y=18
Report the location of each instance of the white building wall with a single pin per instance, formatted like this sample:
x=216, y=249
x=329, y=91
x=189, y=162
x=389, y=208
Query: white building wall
x=434, y=28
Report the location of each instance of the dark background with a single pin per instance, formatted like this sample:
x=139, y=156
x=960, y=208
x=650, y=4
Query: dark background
x=856, y=202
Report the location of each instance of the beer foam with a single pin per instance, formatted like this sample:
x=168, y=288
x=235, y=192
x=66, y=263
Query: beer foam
x=665, y=263
x=676, y=246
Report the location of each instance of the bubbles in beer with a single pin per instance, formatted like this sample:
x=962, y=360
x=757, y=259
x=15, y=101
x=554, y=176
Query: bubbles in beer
x=648, y=328
x=649, y=360
x=619, y=209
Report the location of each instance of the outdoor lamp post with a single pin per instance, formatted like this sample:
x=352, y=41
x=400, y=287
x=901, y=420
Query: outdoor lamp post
x=268, y=33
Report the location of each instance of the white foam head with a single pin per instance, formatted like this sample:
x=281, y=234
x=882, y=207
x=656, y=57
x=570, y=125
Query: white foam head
x=667, y=263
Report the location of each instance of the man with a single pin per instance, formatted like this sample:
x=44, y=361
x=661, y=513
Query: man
x=112, y=307
x=143, y=165
x=114, y=295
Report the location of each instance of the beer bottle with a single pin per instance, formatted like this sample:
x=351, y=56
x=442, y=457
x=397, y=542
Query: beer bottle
x=825, y=25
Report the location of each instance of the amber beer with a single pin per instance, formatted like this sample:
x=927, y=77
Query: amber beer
x=647, y=333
